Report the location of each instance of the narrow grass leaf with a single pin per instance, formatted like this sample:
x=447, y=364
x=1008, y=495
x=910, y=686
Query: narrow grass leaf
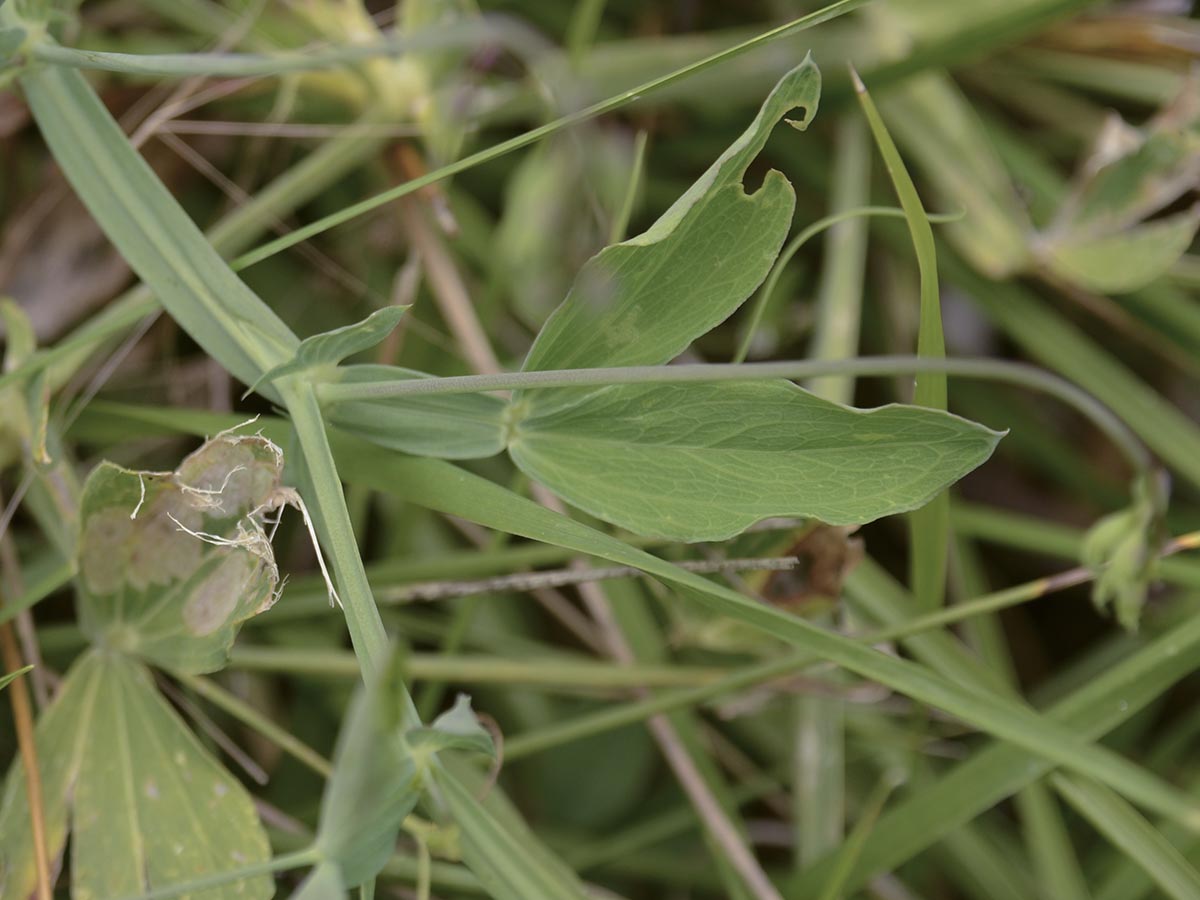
x=999, y=771
x=849, y=852
x=929, y=527
x=1048, y=843
x=942, y=134
x=10, y=677
x=438, y=485
x=1132, y=835
x=151, y=231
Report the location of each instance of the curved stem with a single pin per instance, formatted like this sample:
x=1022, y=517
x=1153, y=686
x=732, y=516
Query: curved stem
x=1020, y=374
x=763, y=298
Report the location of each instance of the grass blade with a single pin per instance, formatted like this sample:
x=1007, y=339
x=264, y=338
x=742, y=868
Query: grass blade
x=443, y=487
x=155, y=237
x=1136, y=838
x=929, y=526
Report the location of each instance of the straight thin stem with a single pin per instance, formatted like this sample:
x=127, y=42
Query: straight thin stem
x=530, y=137
x=297, y=860
x=1021, y=374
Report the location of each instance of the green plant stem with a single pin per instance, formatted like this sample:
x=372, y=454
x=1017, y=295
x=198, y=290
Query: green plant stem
x=296, y=860
x=329, y=505
x=1049, y=539
x=252, y=65
x=1021, y=374
x=594, y=723
x=659, y=829
x=433, y=691
x=550, y=672
x=581, y=32
x=839, y=295
x=248, y=715
x=763, y=298
x=620, y=222
x=847, y=856
x=563, y=732
x=839, y=8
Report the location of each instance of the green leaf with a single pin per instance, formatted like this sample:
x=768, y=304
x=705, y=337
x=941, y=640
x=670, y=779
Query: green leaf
x=948, y=144
x=24, y=406
x=11, y=40
x=1103, y=238
x=540, y=242
x=19, y=339
x=1132, y=173
x=642, y=302
x=179, y=813
x=331, y=347
x=847, y=854
x=704, y=461
x=375, y=782
x=149, y=807
x=62, y=739
x=1121, y=549
x=1126, y=260
x=929, y=527
x=507, y=858
x=459, y=426
x=999, y=770
x=171, y=564
x=9, y=678
x=323, y=883
x=439, y=485
x=455, y=729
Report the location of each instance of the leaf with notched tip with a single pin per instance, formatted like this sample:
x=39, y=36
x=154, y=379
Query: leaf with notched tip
x=643, y=301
